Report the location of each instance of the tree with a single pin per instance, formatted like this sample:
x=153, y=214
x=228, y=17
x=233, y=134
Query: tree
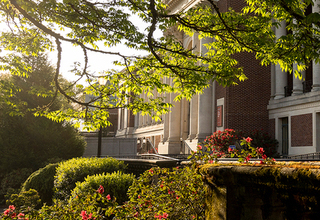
x=87, y=23
x=27, y=141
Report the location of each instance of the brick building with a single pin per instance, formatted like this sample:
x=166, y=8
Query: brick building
x=272, y=100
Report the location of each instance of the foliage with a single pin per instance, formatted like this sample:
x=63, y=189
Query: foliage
x=11, y=182
x=115, y=184
x=30, y=138
x=219, y=145
x=71, y=171
x=97, y=26
x=25, y=200
x=248, y=152
x=161, y=193
x=261, y=139
x=42, y=181
x=12, y=213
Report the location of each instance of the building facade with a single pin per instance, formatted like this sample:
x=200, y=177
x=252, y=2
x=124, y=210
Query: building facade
x=275, y=101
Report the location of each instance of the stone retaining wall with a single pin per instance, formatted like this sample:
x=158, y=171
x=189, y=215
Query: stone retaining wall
x=277, y=192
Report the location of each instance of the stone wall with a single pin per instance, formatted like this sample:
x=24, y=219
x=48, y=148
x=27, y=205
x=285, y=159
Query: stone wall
x=290, y=191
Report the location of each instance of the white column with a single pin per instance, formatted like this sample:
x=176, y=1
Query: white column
x=281, y=76
x=193, y=117
x=297, y=83
x=273, y=83
x=196, y=43
x=316, y=66
x=204, y=116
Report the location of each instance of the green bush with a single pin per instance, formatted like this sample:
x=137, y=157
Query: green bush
x=162, y=193
x=71, y=171
x=42, y=181
x=115, y=184
x=25, y=200
x=11, y=182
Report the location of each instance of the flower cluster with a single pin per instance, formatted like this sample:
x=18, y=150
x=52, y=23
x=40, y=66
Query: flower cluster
x=248, y=152
x=10, y=213
x=85, y=216
x=164, y=215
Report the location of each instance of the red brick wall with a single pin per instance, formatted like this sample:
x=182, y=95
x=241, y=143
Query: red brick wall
x=246, y=103
x=272, y=127
x=301, y=130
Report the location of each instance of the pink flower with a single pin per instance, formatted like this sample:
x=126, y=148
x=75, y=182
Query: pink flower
x=260, y=150
x=248, y=157
x=85, y=216
x=6, y=213
x=264, y=156
x=230, y=149
x=12, y=207
x=139, y=196
x=165, y=215
x=274, y=160
x=101, y=189
x=248, y=139
x=150, y=171
x=20, y=216
x=13, y=215
x=199, y=147
x=108, y=197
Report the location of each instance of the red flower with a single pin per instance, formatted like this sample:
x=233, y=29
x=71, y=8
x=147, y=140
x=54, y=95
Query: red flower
x=12, y=207
x=13, y=215
x=20, y=216
x=6, y=212
x=260, y=150
x=248, y=139
x=199, y=147
x=85, y=216
x=264, y=156
x=136, y=214
x=261, y=162
x=101, y=189
x=108, y=197
x=165, y=215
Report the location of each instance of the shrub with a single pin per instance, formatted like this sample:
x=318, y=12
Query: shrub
x=115, y=184
x=42, y=181
x=160, y=193
x=71, y=171
x=261, y=139
x=25, y=200
x=11, y=182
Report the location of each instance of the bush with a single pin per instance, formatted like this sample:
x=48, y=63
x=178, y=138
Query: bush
x=11, y=182
x=25, y=200
x=115, y=184
x=71, y=171
x=42, y=181
x=263, y=140
x=160, y=193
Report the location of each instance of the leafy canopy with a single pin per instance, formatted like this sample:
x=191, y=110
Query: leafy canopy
x=38, y=26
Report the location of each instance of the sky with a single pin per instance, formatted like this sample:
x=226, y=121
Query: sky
x=97, y=62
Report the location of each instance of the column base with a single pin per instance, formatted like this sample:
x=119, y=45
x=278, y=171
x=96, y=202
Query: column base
x=297, y=92
x=315, y=87
x=169, y=147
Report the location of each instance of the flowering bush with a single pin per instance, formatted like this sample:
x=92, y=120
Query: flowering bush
x=248, y=152
x=215, y=146
x=116, y=184
x=261, y=139
x=163, y=194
